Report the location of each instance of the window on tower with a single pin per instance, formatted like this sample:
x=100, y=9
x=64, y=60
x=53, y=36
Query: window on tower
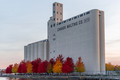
x=81, y=15
x=70, y=19
x=54, y=25
x=87, y=12
x=53, y=34
x=61, y=5
x=75, y=17
x=64, y=21
x=54, y=39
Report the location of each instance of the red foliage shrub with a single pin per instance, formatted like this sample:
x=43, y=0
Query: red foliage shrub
x=9, y=69
x=52, y=61
x=60, y=57
x=68, y=65
x=50, y=65
x=35, y=64
x=42, y=68
x=22, y=67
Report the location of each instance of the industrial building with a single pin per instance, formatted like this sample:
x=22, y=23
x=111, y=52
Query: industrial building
x=36, y=50
x=79, y=36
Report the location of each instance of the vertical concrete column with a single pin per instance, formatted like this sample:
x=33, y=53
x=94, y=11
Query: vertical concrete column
x=96, y=63
x=32, y=52
x=41, y=50
x=25, y=53
x=102, y=43
x=57, y=12
x=45, y=49
x=35, y=50
x=29, y=51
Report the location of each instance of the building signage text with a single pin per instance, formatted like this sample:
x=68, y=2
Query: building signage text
x=74, y=24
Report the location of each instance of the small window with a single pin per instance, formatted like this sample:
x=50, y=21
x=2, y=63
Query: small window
x=53, y=34
x=60, y=19
x=54, y=19
x=64, y=21
x=70, y=19
x=53, y=4
x=57, y=12
x=57, y=18
x=54, y=39
x=87, y=12
x=59, y=23
x=51, y=26
x=75, y=17
x=60, y=13
x=54, y=25
x=57, y=4
x=53, y=11
x=61, y=5
x=81, y=15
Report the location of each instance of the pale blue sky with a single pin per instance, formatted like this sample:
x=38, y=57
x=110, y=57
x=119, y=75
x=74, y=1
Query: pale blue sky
x=25, y=21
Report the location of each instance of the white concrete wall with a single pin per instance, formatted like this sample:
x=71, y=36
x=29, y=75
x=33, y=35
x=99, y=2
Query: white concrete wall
x=102, y=41
x=46, y=55
x=25, y=53
x=36, y=50
x=32, y=52
x=41, y=50
x=83, y=39
x=29, y=55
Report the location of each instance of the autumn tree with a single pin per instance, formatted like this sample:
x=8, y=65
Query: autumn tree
x=79, y=66
x=68, y=65
x=9, y=69
x=42, y=68
x=15, y=68
x=57, y=68
x=50, y=65
x=52, y=61
x=60, y=57
x=117, y=68
x=109, y=67
x=22, y=67
x=29, y=67
x=35, y=64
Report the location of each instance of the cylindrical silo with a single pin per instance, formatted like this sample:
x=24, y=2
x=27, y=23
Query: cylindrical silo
x=41, y=50
x=25, y=53
x=35, y=50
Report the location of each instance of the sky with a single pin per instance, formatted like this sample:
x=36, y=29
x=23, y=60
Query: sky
x=25, y=21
